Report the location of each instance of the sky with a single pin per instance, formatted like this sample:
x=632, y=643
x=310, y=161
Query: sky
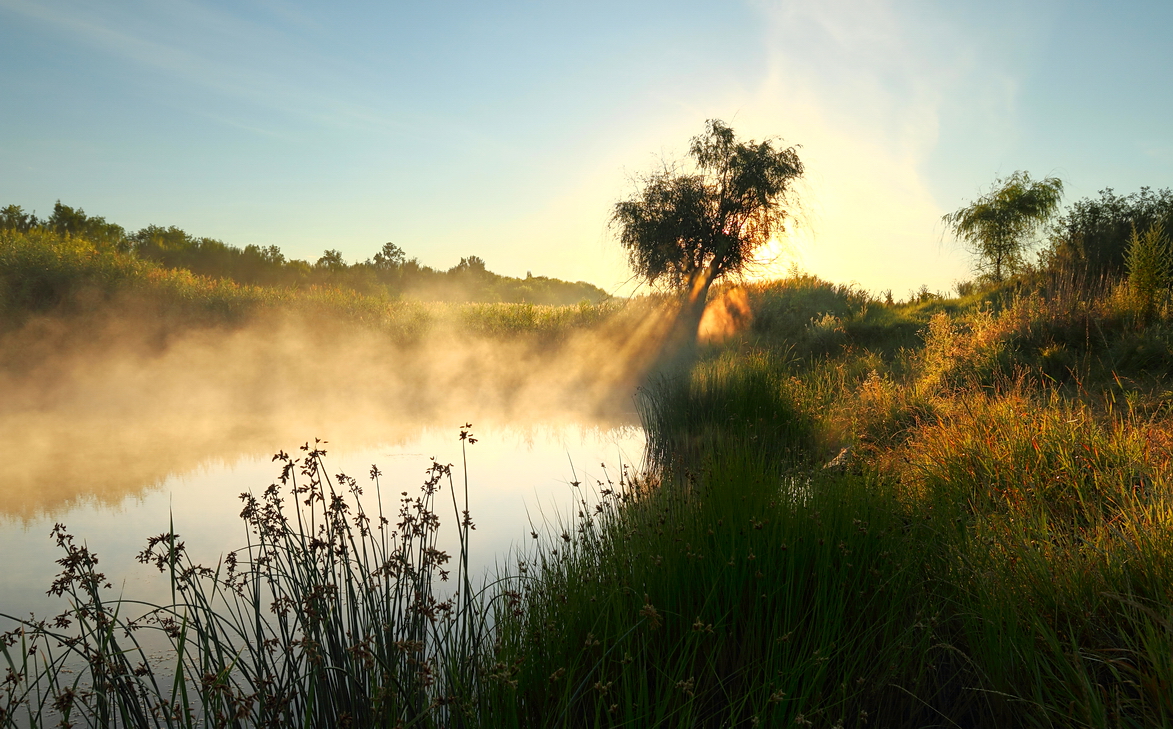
x=509, y=130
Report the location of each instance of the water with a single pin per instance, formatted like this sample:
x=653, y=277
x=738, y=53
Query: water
x=516, y=477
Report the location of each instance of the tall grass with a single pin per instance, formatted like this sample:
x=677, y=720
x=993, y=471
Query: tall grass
x=723, y=594
x=330, y=616
x=728, y=401
x=1043, y=497
x=997, y=552
x=1062, y=549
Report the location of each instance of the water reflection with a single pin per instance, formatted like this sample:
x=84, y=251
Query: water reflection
x=515, y=475
x=102, y=412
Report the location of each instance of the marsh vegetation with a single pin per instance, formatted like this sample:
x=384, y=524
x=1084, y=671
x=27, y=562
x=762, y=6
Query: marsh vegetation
x=854, y=511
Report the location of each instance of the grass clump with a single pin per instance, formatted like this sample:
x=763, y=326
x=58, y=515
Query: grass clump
x=730, y=399
x=723, y=594
x=990, y=545
x=330, y=616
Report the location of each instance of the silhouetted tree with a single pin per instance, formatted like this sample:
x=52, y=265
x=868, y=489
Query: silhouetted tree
x=471, y=264
x=272, y=254
x=13, y=217
x=331, y=260
x=695, y=223
x=998, y=225
x=1092, y=237
x=389, y=257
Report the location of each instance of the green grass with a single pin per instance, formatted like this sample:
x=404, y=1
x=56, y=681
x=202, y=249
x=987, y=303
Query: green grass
x=733, y=590
x=996, y=551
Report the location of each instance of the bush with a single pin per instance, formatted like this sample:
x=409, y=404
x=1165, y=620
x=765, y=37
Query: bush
x=1147, y=261
x=41, y=270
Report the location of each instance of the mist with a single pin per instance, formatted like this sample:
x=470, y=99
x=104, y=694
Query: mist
x=104, y=406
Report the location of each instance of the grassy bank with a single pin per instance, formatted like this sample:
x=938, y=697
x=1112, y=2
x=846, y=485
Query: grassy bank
x=854, y=513
x=44, y=273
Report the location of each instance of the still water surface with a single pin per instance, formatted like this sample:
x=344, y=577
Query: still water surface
x=516, y=476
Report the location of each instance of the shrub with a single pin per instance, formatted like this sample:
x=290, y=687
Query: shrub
x=1147, y=261
x=41, y=270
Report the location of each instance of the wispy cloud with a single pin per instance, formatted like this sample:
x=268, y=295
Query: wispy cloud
x=204, y=50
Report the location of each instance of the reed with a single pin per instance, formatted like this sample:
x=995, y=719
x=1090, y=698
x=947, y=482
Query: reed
x=993, y=549
x=330, y=616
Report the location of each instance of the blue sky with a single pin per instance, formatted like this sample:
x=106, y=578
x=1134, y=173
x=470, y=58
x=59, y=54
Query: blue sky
x=509, y=129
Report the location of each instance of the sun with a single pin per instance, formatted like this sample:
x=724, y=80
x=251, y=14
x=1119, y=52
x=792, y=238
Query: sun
x=771, y=261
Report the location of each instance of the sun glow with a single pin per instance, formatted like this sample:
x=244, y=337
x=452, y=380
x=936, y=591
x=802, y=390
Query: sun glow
x=724, y=316
x=780, y=255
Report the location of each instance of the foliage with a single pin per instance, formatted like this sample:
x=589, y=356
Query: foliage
x=1091, y=238
x=40, y=270
x=13, y=217
x=998, y=224
x=1150, y=268
x=390, y=256
x=42, y=273
x=74, y=222
x=331, y=260
x=174, y=248
x=692, y=227
x=388, y=274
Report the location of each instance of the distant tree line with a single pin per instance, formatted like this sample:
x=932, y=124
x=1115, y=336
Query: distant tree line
x=1092, y=238
x=389, y=271
x=1096, y=241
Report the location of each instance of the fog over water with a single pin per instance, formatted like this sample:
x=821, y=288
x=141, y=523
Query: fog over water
x=115, y=427
x=103, y=409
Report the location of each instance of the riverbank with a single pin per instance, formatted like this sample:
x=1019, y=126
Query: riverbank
x=855, y=513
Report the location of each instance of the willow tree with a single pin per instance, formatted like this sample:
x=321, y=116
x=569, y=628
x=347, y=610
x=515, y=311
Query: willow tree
x=692, y=224
x=998, y=226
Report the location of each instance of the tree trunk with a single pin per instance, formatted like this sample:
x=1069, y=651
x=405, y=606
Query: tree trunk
x=694, y=304
x=680, y=348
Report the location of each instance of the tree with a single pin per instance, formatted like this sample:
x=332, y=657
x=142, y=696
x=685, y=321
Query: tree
x=471, y=265
x=389, y=257
x=13, y=217
x=1093, y=236
x=271, y=255
x=998, y=225
x=331, y=260
x=689, y=227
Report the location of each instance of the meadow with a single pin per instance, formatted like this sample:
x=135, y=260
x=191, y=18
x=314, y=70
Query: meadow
x=943, y=511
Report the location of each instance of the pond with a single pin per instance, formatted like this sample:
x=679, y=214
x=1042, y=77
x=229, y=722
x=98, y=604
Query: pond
x=518, y=477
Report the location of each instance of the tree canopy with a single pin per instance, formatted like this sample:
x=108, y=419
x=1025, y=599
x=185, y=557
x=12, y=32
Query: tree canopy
x=998, y=225
x=389, y=273
x=1093, y=236
x=691, y=224
x=389, y=257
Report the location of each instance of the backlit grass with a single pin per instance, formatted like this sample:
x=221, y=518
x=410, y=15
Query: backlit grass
x=992, y=547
